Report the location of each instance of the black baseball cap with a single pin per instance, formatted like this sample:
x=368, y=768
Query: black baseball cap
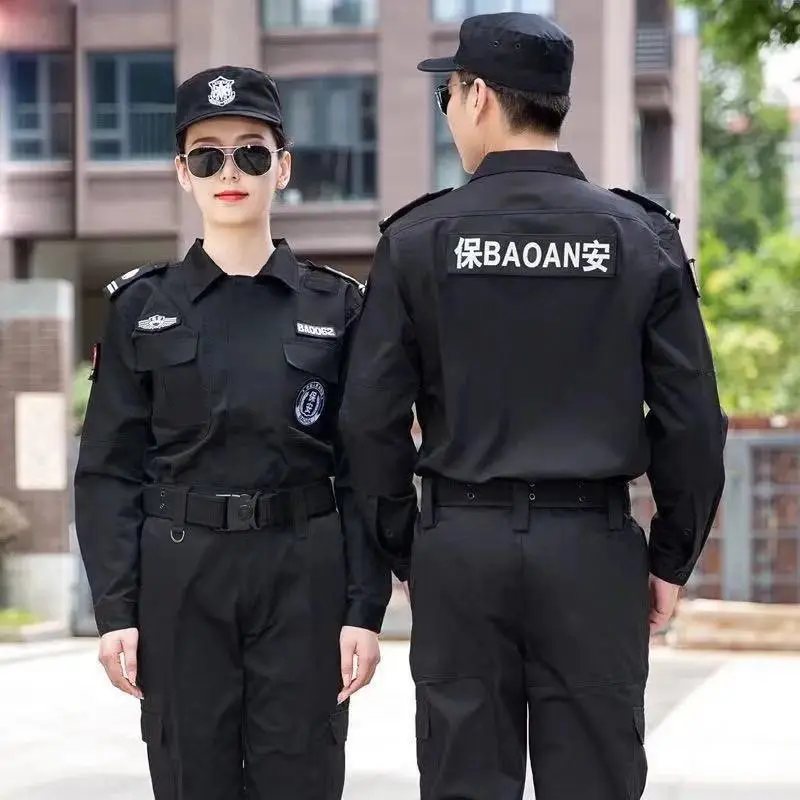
x=226, y=92
x=526, y=52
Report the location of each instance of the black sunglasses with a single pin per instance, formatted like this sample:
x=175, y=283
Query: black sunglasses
x=252, y=159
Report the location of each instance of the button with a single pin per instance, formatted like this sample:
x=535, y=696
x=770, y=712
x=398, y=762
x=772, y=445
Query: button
x=532, y=496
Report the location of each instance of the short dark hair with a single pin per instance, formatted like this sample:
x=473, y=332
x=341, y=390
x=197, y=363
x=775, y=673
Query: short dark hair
x=527, y=111
x=280, y=139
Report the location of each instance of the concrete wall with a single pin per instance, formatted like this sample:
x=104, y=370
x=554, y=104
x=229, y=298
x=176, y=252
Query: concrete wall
x=35, y=389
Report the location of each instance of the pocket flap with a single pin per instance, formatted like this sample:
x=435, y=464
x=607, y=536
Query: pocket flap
x=164, y=349
x=340, y=723
x=152, y=726
x=320, y=359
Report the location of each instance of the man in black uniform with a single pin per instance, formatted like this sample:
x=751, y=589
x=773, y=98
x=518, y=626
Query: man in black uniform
x=529, y=316
x=205, y=510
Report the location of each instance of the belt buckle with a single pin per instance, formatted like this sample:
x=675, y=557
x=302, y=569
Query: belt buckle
x=240, y=512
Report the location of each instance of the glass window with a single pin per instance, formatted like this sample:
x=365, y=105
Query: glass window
x=40, y=107
x=319, y=13
x=457, y=10
x=332, y=126
x=132, y=106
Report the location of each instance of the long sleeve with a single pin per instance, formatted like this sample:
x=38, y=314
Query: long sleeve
x=369, y=580
x=686, y=426
x=108, y=480
x=377, y=413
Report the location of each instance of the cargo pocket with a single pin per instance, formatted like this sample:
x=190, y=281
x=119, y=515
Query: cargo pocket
x=163, y=773
x=179, y=396
x=638, y=775
x=332, y=786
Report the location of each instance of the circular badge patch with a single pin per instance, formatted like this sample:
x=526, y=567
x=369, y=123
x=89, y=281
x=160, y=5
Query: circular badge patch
x=309, y=403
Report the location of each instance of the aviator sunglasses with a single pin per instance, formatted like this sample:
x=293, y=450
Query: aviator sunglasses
x=252, y=159
x=444, y=93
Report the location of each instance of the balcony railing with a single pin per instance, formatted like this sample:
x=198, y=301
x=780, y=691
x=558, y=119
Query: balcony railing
x=653, y=48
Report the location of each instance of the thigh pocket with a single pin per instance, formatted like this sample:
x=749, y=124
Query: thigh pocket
x=638, y=774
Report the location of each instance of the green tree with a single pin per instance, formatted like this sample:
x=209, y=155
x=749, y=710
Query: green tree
x=752, y=308
x=738, y=29
x=743, y=166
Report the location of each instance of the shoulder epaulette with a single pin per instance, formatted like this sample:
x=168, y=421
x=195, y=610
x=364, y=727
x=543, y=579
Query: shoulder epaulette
x=343, y=275
x=649, y=205
x=401, y=212
x=118, y=284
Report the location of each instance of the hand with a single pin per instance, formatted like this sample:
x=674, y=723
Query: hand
x=663, y=598
x=121, y=643
x=363, y=645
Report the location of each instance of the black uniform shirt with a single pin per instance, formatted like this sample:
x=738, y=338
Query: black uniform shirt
x=223, y=383
x=530, y=315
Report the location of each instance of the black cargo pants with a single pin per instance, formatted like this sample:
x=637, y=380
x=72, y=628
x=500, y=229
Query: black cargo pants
x=239, y=658
x=530, y=629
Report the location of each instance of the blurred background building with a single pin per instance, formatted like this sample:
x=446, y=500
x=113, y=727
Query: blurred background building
x=87, y=183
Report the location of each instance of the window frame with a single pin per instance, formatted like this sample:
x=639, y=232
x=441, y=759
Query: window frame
x=468, y=9
x=122, y=105
x=320, y=86
x=44, y=106
x=370, y=15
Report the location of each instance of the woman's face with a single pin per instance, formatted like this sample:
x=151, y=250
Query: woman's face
x=231, y=196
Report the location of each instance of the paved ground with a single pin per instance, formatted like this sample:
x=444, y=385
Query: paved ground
x=718, y=727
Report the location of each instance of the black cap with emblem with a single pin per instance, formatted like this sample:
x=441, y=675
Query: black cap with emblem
x=227, y=91
x=518, y=51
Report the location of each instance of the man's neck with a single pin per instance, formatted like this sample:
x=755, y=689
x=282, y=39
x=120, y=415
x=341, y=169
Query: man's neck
x=239, y=251
x=521, y=141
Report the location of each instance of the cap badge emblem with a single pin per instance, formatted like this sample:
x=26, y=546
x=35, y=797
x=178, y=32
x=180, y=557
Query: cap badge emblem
x=221, y=91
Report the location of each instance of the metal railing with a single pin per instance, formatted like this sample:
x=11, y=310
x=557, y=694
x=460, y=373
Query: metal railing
x=141, y=131
x=653, y=48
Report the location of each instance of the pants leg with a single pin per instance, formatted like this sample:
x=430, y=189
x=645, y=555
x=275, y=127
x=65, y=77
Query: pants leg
x=295, y=734
x=466, y=659
x=191, y=663
x=587, y=643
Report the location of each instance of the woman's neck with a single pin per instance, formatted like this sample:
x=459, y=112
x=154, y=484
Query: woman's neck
x=239, y=251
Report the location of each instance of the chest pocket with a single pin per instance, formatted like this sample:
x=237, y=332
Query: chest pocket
x=170, y=356
x=312, y=382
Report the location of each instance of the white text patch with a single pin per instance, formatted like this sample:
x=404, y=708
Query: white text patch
x=323, y=332
x=554, y=255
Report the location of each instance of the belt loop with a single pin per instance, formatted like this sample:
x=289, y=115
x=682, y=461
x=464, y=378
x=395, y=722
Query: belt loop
x=300, y=512
x=521, y=508
x=615, y=507
x=427, y=505
x=180, y=495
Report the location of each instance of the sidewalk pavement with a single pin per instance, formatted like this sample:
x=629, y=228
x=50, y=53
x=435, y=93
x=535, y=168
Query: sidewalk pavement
x=719, y=726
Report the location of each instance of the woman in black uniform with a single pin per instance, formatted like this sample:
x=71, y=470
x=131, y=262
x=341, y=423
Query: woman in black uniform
x=236, y=581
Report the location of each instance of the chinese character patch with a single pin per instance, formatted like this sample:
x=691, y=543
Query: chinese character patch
x=556, y=255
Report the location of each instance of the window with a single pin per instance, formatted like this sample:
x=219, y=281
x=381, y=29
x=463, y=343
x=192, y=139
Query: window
x=319, y=13
x=40, y=106
x=457, y=10
x=332, y=124
x=132, y=106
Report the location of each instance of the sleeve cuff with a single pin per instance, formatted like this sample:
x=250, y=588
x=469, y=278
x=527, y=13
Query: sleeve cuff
x=115, y=619
x=365, y=615
x=402, y=569
x=678, y=576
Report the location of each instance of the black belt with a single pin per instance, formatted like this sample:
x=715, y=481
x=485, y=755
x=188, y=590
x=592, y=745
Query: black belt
x=229, y=512
x=520, y=496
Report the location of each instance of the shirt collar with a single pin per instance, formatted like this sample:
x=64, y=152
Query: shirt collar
x=202, y=271
x=554, y=161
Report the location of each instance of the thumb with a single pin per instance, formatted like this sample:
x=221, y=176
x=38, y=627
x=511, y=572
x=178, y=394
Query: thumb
x=347, y=664
x=129, y=653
